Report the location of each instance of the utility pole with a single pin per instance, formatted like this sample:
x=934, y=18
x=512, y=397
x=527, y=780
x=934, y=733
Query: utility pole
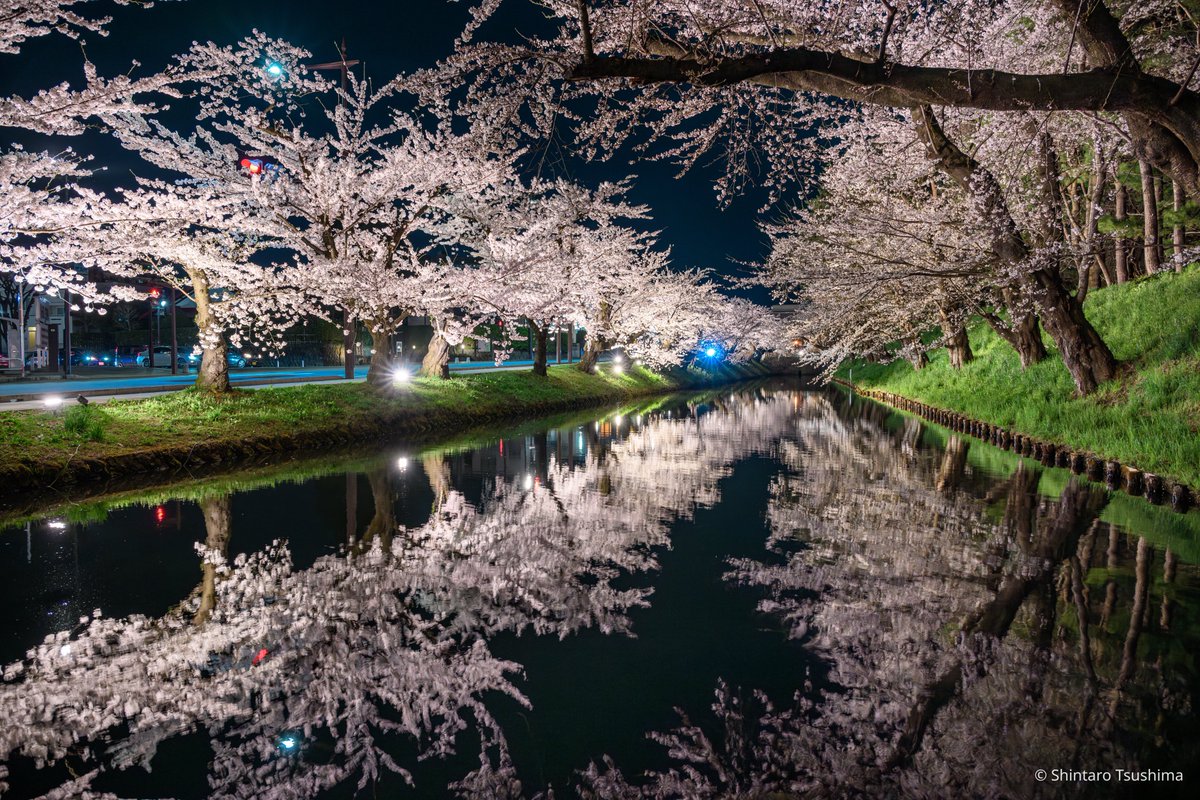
x=67, y=332
x=343, y=66
x=23, y=334
x=174, y=336
x=150, y=327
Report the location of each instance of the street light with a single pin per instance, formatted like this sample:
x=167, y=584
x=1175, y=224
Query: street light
x=275, y=69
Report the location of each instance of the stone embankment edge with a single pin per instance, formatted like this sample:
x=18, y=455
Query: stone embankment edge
x=422, y=424
x=1112, y=473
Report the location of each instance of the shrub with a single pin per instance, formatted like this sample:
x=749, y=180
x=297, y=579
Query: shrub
x=87, y=422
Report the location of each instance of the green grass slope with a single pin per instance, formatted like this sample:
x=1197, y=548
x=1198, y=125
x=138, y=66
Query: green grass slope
x=1149, y=418
x=187, y=418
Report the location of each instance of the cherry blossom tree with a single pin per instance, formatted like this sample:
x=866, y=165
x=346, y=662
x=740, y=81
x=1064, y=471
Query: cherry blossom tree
x=778, y=63
x=47, y=214
x=770, y=83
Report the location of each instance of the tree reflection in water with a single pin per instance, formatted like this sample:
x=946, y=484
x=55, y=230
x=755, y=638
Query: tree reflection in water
x=967, y=646
x=975, y=629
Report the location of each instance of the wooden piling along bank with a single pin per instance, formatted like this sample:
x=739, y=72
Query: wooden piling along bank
x=1113, y=474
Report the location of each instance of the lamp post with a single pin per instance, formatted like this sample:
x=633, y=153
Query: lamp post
x=343, y=66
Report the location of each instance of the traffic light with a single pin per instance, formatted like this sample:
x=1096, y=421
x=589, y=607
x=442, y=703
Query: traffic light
x=258, y=166
x=155, y=292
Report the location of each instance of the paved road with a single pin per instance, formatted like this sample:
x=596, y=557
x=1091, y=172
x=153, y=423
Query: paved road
x=24, y=395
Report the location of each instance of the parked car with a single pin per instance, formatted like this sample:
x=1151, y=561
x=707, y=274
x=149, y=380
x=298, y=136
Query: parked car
x=162, y=358
x=235, y=360
x=3, y=361
x=96, y=360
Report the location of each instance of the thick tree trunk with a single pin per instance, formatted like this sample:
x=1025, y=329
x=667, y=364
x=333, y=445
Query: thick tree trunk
x=919, y=359
x=958, y=346
x=1023, y=334
x=1084, y=353
x=213, y=375
x=1177, y=200
x=217, y=515
x=540, y=335
x=1149, y=219
x=1027, y=340
x=590, y=355
x=1087, y=357
x=1121, y=249
x=436, y=363
x=380, y=371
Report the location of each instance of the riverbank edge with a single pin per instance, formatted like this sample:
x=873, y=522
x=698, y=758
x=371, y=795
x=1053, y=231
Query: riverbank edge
x=1115, y=475
x=388, y=424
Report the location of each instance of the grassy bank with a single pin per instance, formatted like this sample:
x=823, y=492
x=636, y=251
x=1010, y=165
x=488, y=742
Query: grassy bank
x=174, y=431
x=1149, y=418
x=93, y=502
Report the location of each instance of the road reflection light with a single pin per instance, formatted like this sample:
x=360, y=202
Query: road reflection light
x=402, y=463
x=528, y=483
x=57, y=524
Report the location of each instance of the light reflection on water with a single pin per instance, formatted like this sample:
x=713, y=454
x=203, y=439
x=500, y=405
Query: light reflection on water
x=839, y=600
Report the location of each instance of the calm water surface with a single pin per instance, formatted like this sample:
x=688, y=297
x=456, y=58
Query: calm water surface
x=766, y=592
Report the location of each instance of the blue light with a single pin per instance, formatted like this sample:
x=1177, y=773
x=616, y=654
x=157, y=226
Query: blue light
x=275, y=69
x=289, y=743
x=710, y=352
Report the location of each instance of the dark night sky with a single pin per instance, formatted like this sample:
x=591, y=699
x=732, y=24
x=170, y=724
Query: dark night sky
x=390, y=37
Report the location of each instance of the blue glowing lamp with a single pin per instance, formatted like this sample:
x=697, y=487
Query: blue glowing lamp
x=275, y=69
x=289, y=743
x=710, y=352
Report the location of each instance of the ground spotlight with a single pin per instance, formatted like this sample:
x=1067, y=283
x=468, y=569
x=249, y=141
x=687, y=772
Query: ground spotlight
x=52, y=402
x=401, y=376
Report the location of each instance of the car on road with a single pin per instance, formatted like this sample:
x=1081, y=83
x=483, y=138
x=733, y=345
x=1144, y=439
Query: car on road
x=162, y=358
x=235, y=360
x=187, y=358
x=95, y=360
